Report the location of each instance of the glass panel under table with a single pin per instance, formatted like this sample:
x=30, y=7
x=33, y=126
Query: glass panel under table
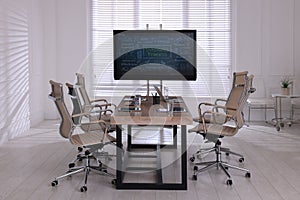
x=151, y=153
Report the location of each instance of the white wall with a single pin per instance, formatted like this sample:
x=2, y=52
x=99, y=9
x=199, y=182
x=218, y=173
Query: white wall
x=36, y=69
x=21, y=67
x=267, y=43
x=65, y=26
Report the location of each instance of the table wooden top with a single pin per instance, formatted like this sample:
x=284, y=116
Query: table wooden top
x=151, y=114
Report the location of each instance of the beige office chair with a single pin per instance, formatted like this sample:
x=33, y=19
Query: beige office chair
x=97, y=113
x=88, y=104
x=224, y=124
x=223, y=106
x=90, y=140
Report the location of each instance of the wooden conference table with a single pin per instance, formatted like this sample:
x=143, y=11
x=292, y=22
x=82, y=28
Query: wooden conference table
x=131, y=113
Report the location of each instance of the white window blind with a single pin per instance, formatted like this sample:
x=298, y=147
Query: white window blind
x=211, y=19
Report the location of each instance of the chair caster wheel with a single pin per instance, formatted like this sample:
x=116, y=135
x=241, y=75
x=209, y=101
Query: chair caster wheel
x=241, y=160
x=227, y=154
x=54, y=183
x=248, y=175
x=80, y=149
x=104, y=170
x=194, y=177
x=87, y=153
x=71, y=165
x=114, y=181
x=195, y=168
x=83, y=189
x=282, y=124
x=226, y=168
x=278, y=128
x=192, y=159
x=229, y=182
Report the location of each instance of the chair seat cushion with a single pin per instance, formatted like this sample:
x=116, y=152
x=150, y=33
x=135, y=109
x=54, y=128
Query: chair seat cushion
x=86, y=139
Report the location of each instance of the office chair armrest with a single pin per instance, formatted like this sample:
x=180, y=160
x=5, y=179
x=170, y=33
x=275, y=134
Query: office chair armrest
x=94, y=122
x=213, y=114
x=200, y=111
x=219, y=101
x=224, y=107
x=213, y=105
x=214, y=108
x=53, y=98
x=81, y=114
x=103, y=110
x=106, y=105
x=205, y=104
x=222, y=100
x=252, y=90
x=217, y=113
x=217, y=117
x=98, y=100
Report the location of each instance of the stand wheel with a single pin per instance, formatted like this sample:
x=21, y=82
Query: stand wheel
x=195, y=168
x=229, y=182
x=226, y=168
x=80, y=149
x=114, y=181
x=71, y=165
x=248, y=175
x=83, y=189
x=104, y=170
x=54, y=183
x=194, y=177
x=241, y=160
x=227, y=154
x=192, y=159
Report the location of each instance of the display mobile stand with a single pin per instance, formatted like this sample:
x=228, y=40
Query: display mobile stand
x=148, y=81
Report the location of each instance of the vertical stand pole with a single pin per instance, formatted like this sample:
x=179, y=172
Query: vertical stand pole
x=148, y=88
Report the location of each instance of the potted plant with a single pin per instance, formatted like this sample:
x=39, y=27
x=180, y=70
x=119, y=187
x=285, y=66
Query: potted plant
x=285, y=85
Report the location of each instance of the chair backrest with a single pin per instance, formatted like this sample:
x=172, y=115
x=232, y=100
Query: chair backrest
x=249, y=90
x=66, y=125
x=239, y=78
x=237, y=99
x=241, y=89
x=77, y=106
x=81, y=87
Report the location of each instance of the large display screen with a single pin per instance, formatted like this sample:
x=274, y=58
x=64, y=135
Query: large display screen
x=155, y=55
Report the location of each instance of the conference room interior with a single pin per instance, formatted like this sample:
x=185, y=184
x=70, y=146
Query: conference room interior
x=57, y=40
